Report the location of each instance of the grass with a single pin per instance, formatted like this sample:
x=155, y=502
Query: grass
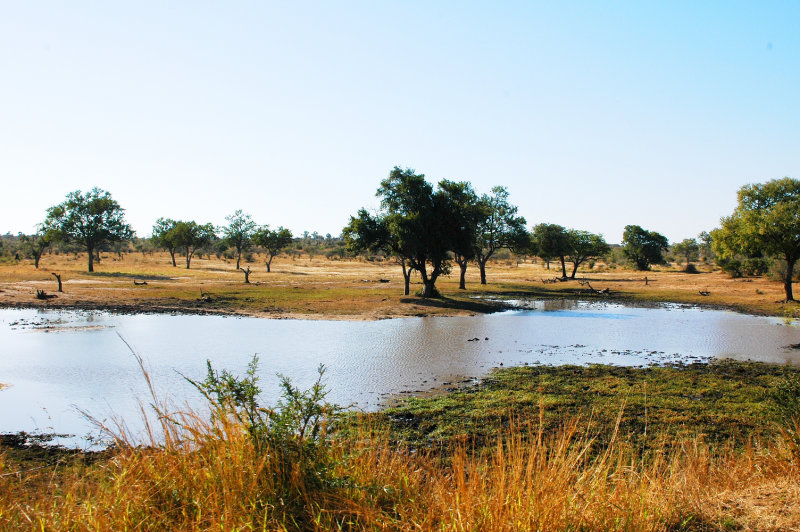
x=348, y=289
x=719, y=402
x=697, y=447
x=555, y=456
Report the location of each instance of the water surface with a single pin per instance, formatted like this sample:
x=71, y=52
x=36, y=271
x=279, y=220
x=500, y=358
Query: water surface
x=60, y=362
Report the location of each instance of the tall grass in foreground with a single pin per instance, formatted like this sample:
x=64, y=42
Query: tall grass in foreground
x=251, y=468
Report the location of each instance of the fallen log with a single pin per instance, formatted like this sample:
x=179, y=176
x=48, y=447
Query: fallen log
x=41, y=294
x=604, y=291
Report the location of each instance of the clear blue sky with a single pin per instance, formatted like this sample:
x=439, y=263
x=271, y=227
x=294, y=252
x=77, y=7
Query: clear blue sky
x=594, y=115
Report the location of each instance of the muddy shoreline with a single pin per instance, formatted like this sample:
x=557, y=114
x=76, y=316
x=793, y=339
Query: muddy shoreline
x=488, y=303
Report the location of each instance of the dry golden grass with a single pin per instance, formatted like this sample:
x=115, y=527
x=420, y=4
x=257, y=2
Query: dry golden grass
x=212, y=478
x=351, y=289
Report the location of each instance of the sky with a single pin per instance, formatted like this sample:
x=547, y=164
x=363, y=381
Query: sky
x=594, y=115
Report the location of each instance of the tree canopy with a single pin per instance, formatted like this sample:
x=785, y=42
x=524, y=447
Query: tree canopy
x=688, y=248
x=643, y=247
x=239, y=232
x=416, y=224
x=35, y=244
x=552, y=241
x=766, y=221
x=584, y=245
x=468, y=213
x=94, y=219
x=272, y=241
x=190, y=236
x=165, y=236
x=500, y=227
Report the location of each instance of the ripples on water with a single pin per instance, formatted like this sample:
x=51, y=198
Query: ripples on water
x=60, y=361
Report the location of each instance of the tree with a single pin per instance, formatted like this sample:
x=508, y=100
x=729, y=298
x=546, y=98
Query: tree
x=273, y=242
x=35, y=244
x=164, y=236
x=501, y=228
x=94, y=219
x=239, y=232
x=766, y=221
x=706, y=246
x=414, y=224
x=689, y=249
x=643, y=247
x=552, y=241
x=368, y=232
x=190, y=236
x=584, y=245
x=469, y=213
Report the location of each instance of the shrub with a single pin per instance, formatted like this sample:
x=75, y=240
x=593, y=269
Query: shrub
x=738, y=267
x=295, y=435
x=786, y=398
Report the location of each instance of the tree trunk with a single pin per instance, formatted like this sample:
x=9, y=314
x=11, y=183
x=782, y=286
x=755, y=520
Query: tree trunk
x=563, y=267
x=188, y=258
x=238, y=258
x=429, y=283
x=246, y=274
x=36, y=257
x=58, y=278
x=787, y=283
x=428, y=288
x=547, y=261
x=575, y=265
x=482, y=268
x=91, y=259
x=406, y=278
x=171, y=254
x=462, y=285
x=269, y=262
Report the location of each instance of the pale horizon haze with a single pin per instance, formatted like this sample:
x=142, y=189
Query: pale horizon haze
x=594, y=115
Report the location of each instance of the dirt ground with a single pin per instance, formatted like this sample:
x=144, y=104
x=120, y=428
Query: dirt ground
x=358, y=290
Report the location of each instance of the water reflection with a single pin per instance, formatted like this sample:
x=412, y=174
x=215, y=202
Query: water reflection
x=59, y=361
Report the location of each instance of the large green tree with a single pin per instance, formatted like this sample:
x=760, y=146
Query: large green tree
x=499, y=228
x=272, y=241
x=552, y=241
x=239, y=233
x=584, y=245
x=766, y=221
x=414, y=224
x=93, y=219
x=370, y=232
x=643, y=247
x=468, y=214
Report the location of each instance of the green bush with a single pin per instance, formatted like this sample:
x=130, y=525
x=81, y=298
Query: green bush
x=737, y=267
x=786, y=399
x=296, y=433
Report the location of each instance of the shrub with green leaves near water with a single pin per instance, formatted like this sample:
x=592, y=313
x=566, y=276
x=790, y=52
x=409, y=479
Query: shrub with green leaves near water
x=295, y=436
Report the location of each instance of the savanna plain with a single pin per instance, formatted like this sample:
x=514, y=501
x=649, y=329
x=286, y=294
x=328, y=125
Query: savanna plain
x=687, y=447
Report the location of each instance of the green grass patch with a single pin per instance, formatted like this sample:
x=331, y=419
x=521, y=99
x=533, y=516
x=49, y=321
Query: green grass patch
x=719, y=402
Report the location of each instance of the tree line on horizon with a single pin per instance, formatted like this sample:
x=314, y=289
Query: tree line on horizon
x=426, y=229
